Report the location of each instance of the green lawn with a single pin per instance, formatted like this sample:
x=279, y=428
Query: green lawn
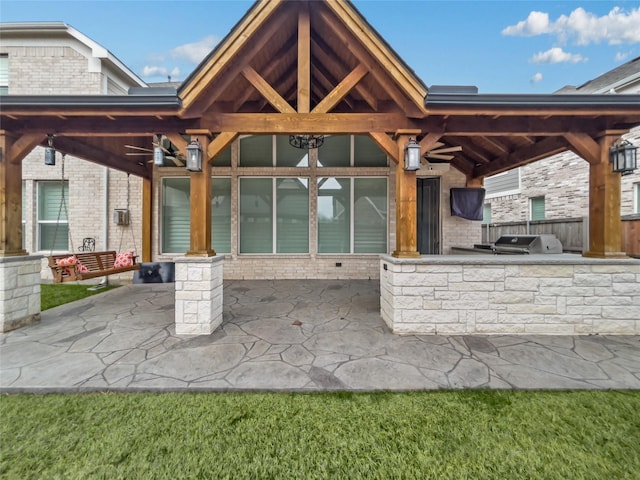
x=52, y=295
x=420, y=435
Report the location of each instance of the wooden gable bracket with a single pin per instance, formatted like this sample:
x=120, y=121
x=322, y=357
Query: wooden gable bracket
x=386, y=143
x=267, y=91
x=14, y=149
x=218, y=144
x=584, y=146
x=342, y=89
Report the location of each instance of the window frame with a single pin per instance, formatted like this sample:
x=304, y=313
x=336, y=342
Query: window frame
x=531, y=208
x=59, y=221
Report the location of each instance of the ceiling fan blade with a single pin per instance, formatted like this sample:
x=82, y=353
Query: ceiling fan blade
x=436, y=156
x=135, y=147
x=446, y=150
x=137, y=153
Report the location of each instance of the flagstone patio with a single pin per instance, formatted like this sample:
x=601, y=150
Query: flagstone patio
x=304, y=335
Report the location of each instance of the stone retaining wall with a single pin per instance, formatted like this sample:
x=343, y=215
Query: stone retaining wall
x=533, y=294
x=19, y=292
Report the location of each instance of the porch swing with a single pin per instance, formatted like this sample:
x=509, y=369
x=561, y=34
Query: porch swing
x=85, y=265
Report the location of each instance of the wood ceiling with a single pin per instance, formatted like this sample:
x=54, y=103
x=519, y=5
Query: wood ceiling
x=317, y=67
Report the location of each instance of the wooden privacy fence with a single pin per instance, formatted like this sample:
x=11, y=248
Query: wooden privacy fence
x=572, y=232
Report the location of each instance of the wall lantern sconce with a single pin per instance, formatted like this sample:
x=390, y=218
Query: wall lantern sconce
x=624, y=157
x=194, y=156
x=158, y=156
x=412, y=155
x=50, y=153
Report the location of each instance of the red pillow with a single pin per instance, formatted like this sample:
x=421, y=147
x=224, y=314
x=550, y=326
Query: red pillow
x=123, y=260
x=80, y=268
x=67, y=262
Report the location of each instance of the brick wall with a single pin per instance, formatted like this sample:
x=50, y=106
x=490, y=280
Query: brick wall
x=564, y=182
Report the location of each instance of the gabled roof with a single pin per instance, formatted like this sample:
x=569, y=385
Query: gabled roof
x=619, y=80
x=21, y=32
x=277, y=43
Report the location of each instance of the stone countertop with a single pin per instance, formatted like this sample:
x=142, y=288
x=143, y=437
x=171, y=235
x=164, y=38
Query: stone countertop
x=531, y=259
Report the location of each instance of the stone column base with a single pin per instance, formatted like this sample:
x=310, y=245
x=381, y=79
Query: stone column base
x=198, y=294
x=19, y=291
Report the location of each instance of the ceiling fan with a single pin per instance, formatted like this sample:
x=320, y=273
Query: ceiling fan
x=169, y=151
x=439, y=154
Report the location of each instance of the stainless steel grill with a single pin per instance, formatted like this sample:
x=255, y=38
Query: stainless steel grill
x=516, y=245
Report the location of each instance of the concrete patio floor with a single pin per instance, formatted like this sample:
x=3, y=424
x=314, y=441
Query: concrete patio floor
x=307, y=335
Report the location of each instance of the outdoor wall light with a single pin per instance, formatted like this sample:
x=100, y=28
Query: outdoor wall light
x=158, y=156
x=50, y=153
x=624, y=157
x=412, y=155
x=194, y=156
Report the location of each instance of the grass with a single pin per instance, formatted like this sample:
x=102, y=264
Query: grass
x=52, y=295
x=416, y=435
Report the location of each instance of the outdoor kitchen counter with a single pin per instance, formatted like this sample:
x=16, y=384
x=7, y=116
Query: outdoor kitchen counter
x=490, y=259
x=559, y=294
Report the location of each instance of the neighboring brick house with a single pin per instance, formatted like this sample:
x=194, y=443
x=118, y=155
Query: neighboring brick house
x=53, y=58
x=558, y=187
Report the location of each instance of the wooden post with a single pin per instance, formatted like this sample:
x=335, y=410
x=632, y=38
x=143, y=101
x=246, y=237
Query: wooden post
x=605, y=224
x=12, y=151
x=406, y=202
x=200, y=245
x=147, y=216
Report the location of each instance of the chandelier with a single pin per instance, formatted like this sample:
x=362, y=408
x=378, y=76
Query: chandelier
x=306, y=141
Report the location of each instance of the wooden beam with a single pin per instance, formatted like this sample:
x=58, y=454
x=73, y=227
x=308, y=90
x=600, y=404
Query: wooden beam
x=605, y=224
x=23, y=145
x=10, y=197
x=267, y=91
x=304, y=59
x=330, y=61
x=399, y=95
x=322, y=123
x=222, y=141
x=429, y=142
x=147, y=218
x=523, y=156
x=341, y=90
x=386, y=144
x=584, y=146
x=406, y=206
x=200, y=232
x=101, y=156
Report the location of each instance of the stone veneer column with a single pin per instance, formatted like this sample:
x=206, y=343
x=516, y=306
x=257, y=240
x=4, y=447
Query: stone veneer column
x=19, y=291
x=198, y=294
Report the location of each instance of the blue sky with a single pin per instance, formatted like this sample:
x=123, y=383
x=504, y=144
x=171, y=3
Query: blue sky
x=499, y=46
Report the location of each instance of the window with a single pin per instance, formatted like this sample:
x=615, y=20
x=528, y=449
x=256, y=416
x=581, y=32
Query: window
x=274, y=212
x=636, y=193
x=486, y=213
x=53, y=227
x=536, y=205
x=176, y=214
x=340, y=231
x=4, y=74
x=269, y=151
x=350, y=150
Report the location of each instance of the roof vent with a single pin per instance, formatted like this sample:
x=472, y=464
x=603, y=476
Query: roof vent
x=453, y=90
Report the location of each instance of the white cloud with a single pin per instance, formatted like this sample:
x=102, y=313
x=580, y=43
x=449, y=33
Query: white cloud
x=537, y=78
x=557, y=55
x=617, y=27
x=536, y=23
x=154, y=71
x=621, y=56
x=196, y=51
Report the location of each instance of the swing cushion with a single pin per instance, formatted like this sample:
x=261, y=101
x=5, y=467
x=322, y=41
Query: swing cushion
x=70, y=262
x=123, y=260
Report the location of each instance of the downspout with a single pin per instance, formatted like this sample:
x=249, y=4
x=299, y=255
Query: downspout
x=105, y=219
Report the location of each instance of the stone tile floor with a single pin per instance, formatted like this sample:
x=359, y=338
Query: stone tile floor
x=290, y=335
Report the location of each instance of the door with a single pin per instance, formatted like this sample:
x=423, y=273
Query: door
x=429, y=216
